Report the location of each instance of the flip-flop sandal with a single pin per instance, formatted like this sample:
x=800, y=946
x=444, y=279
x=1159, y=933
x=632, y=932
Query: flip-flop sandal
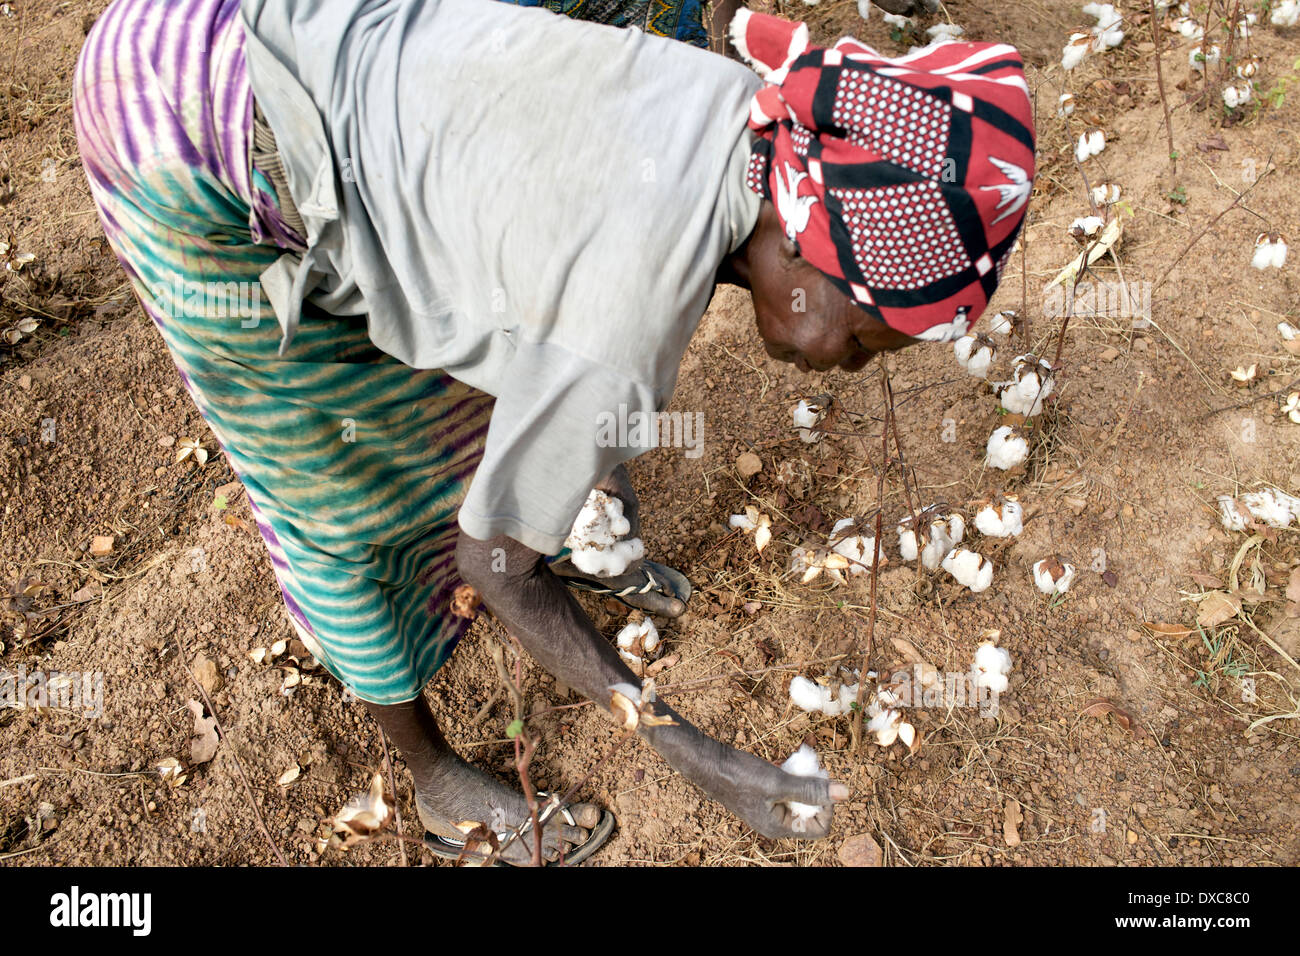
x=652, y=576
x=447, y=848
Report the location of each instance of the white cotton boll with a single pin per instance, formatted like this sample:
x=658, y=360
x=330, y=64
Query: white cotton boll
x=1075, y=50
x=1270, y=252
x=806, y=417
x=1189, y=28
x=894, y=20
x=1065, y=105
x=860, y=550
x=907, y=542
x=594, y=541
x=1236, y=94
x=1272, y=507
x=1105, y=194
x=1198, y=59
x=1087, y=227
x=975, y=353
x=936, y=548
x=645, y=630
x=1053, y=576
x=955, y=528
x=1001, y=323
x=1287, y=331
x=1286, y=13
x=743, y=522
x=1005, y=449
x=944, y=32
x=1091, y=143
x=885, y=726
x=809, y=695
x=803, y=763
x=970, y=569
x=864, y=8
x=1004, y=519
x=1230, y=514
x=991, y=666
x=961, y=349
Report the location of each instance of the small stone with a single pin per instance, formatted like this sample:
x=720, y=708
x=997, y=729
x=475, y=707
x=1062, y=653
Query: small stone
x=101, y=545
x=1132, y=837
x=749, y=465
x=205, y=672
x=1109, y=354
x=860, y=850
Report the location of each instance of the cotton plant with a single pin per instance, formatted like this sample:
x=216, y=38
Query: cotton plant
x=975, y=352
x=1092, y=142
x=756, y=522
x=1007, y=448
x=1270, y=251
x=1004, y=322
x=1053, y=576
x=803, y=763
x=597, y=542
x=1001, y=517
x=970, y=569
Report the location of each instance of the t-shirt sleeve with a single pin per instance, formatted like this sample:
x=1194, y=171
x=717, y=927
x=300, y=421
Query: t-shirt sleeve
x=554, y=433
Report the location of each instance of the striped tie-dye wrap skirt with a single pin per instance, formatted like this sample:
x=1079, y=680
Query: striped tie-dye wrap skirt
x=354, y=464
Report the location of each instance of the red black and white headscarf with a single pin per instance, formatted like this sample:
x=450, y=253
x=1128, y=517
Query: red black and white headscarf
x=905, y=180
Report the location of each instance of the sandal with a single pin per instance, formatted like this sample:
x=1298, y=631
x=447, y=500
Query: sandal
x=447, y=848
x=650, y=576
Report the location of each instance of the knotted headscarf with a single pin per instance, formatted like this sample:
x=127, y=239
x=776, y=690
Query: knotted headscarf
x=905, y=180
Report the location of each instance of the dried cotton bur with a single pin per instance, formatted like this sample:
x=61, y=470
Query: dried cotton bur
x=364, y=815
x=632, y=707
x=1053, y=576
x=757, y=522
x=597, y=542
x=803, y=763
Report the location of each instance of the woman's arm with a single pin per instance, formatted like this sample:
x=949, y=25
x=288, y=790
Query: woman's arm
x=536, y=607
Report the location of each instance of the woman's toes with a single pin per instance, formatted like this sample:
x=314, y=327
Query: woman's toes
x=585, y=815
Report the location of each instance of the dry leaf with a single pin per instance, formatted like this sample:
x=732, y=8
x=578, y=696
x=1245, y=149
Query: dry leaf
x=1101, y=707
x=860, y=850
x=653, y=670
x=1167, y=630
x=749, y=464
x=1011, y=820
x=1218, y=607
x=204, y=743
x=908, y=650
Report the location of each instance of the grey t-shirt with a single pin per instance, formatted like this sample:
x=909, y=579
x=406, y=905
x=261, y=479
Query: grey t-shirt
x=536, y=205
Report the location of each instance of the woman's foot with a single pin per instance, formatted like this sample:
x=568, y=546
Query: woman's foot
x=465, y=794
